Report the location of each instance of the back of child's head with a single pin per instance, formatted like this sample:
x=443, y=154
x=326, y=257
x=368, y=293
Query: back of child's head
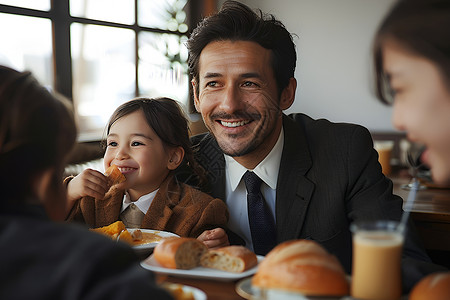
x=167, y=119
x=37, y=132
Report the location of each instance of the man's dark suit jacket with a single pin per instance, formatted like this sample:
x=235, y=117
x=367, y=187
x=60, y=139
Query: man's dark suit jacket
x=329, y=177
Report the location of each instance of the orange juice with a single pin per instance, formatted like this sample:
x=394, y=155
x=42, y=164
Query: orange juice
x=384, y=149
x=377, y=264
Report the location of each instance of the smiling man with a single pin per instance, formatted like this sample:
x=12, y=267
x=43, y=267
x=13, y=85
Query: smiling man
x=313, y=177
x=239, y=102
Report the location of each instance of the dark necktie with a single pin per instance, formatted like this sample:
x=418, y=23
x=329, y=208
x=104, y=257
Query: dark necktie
x=262, y=225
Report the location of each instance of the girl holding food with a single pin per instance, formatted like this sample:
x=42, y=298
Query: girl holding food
x=147, y=139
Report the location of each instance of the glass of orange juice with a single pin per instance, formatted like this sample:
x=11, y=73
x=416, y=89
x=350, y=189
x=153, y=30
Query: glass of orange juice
x=377, y=251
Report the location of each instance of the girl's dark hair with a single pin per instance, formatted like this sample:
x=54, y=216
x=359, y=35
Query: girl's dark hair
x=166, y=117
x=237, y=22
x=37, y=132
x=422, y=27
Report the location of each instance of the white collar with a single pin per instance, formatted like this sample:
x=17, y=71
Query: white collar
x=143, y=203
x=267, y=169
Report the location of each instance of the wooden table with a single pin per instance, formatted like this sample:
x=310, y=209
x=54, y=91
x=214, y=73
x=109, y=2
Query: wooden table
x=431, y=215
x=220, y=290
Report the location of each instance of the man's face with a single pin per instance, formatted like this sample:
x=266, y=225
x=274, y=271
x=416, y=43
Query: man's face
x=238, y=98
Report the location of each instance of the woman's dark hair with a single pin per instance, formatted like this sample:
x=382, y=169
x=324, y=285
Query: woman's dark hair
x=37, y=132
x=422, y=27
x=237, y=22
x=168, y=120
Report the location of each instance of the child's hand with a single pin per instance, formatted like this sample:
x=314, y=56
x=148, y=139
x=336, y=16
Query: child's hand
x=214, y=238
x=88, y=183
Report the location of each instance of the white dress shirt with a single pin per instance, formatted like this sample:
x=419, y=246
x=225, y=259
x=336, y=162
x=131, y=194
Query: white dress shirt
x=236, y=193
x=143, y=203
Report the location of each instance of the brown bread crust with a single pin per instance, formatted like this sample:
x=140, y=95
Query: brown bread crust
x=302, y=266
x=435, y=286
x=179, y=252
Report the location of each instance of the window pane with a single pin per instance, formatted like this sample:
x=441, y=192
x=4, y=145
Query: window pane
x=162, y=14
x=33, y=4
x=103, y=74
x=28, y=46
x=163, y=67
x=118, y=11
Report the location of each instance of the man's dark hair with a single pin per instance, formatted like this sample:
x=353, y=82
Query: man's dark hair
x=237, y=22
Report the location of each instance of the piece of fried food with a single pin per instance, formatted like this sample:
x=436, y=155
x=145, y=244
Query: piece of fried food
x=176, y=290
x=113, y=230
x=114, y=175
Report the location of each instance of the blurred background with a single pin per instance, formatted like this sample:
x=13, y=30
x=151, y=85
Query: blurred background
x=101, y=53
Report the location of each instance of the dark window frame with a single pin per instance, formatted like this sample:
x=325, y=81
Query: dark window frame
x=59, y=15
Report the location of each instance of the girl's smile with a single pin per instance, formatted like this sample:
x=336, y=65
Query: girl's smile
x=139, y=154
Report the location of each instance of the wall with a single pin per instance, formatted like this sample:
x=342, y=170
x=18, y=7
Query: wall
x=334, y=39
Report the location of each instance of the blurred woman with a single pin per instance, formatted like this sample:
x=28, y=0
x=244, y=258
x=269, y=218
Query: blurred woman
x=412, y=64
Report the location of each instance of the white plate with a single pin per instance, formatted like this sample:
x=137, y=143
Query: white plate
x=203, y=273
x=245, y=289
x=150, y=246
x=197, y=293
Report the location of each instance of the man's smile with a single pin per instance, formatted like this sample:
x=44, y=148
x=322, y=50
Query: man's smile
x=234, y=123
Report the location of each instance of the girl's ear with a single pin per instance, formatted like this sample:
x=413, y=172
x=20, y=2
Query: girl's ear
x=175, y=158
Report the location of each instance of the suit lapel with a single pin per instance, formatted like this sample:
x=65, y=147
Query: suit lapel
x=107, y=210
x=213, y=161
x=292, y=203
x=294, y=190
x=159, y=213
x=161, y=210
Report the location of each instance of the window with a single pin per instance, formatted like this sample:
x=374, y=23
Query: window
x=99, y=53
x=23, y=51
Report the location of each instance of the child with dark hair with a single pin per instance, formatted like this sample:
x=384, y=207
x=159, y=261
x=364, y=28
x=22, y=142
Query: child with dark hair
x=147, y=139
x=41, y=258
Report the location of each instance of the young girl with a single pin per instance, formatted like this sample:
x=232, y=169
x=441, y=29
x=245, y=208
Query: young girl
x=147, y=139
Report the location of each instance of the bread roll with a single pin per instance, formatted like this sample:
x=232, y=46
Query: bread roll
x=232, y=259
x=302, y=266
x=435, y=286
x=114, y=175
x=179, y=252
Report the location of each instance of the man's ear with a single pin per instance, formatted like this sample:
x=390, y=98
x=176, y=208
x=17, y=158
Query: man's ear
x=288, y=94
x=175, y=158
x=194, y=90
